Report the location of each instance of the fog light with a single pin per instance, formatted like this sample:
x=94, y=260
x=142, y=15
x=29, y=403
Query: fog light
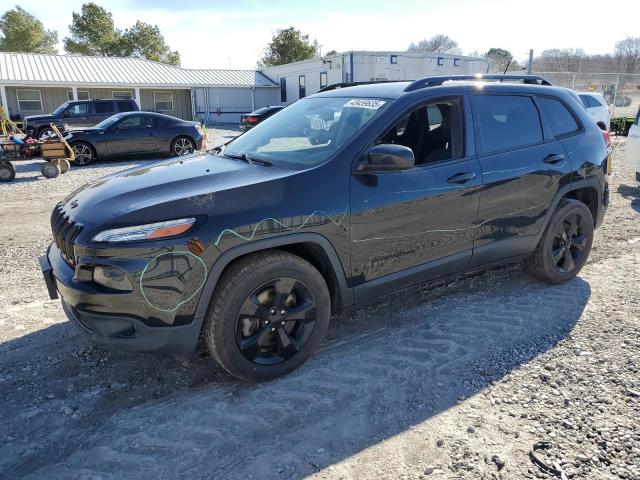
x=113, y=278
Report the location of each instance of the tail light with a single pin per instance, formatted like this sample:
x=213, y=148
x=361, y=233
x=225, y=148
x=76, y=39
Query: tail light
x=252, y=119
x=607, y=138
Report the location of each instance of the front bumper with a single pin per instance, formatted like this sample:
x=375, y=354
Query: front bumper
x=115, y=320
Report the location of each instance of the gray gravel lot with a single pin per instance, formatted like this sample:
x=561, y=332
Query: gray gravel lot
x=451, y=380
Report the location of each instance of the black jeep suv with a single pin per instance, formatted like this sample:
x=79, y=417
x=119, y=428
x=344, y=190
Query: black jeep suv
x=342, y=196
x=78, y=113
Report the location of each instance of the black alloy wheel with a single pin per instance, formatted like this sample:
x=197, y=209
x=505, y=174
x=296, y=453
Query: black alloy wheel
x=275, y=321
x=569, y=243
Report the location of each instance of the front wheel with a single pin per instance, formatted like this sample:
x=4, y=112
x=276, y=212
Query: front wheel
x=182, y=146
x=83, y=153
x=268, y=316
x=565, y=244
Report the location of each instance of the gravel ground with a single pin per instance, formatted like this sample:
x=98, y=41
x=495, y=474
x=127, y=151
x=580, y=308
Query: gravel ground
x=452, y=380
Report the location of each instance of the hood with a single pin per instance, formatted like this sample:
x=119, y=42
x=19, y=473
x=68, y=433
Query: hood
x=40, y=118
x=164, y=190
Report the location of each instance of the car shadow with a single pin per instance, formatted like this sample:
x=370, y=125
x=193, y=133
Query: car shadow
x=384, y=368
x=631, y=193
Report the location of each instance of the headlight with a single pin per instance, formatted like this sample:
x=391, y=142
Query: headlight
x=149, y=231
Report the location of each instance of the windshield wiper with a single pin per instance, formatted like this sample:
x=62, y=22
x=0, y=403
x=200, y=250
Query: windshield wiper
x=247, y=158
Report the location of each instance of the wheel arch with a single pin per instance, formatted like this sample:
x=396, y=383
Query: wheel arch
x=312, y=247
x=181, y=135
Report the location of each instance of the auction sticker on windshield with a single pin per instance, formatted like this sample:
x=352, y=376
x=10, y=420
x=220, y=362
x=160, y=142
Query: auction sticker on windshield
x=365, y=103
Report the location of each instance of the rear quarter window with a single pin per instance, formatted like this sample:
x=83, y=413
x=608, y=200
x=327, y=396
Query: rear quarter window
x=560, y=119
x=507, y=121
x=125, y=106
x=104, y=107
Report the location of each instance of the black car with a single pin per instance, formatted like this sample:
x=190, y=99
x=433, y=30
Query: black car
x=77, y=113
x=254, y=118
x=345, y=195
x=135, y=133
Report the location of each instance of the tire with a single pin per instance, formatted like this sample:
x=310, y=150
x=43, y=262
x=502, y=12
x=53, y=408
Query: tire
x=273, y=344
x=45, y=132
x=64, y=165
x=50, y=170
x=565, y=243
x=83, y=152
x=7, y=171
x=182, y=146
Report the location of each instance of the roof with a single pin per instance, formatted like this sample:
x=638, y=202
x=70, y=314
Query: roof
x=395, y=90
x=38, y=69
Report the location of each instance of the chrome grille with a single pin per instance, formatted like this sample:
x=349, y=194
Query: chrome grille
x=65, y=231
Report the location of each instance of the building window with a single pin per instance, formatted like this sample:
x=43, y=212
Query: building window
x=456, y=62
x=394, y=59
x=323, y=79
x=83, y=95
x=163, y=101
x=29, y=100
x=70, y=95
x=440, y=61
x=121, y=94
x=302, y=90
x=283, y=89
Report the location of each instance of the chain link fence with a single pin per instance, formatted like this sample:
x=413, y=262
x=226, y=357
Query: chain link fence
x=620, y=90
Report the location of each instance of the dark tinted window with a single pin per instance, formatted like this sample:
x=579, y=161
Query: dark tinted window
x=283, y=89
x=125, y=106
x=302, y=90
x=585, y=100
x=160, y=121
x=507, y=121
x=131, y=122
x=595, y=102
x=559, y=118
x=104, y=107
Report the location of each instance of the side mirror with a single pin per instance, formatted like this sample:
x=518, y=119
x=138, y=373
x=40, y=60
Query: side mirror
x=387, y=157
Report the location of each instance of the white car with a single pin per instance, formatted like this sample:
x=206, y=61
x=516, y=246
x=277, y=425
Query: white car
x=596, y=107
x=633, y=146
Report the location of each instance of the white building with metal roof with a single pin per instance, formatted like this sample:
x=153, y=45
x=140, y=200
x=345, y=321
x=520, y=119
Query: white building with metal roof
x=33, y=84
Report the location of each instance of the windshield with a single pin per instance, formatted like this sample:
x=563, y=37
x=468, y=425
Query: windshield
x=309, y=131
x=61, y=108
x=106, y=123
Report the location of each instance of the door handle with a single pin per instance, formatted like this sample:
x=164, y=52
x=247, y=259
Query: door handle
x=462, y=177
x=553, y=158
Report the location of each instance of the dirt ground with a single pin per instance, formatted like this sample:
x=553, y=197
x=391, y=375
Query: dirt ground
x=453, y=380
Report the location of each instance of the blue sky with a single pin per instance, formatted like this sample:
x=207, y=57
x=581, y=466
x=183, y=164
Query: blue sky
x=219, y=34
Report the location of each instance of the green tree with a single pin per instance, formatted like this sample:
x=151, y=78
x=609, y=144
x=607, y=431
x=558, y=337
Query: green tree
x=286, y=46
x=22, y=32
x=437, y=44
x=93, y=32
x=146, y=41
x=501, y=59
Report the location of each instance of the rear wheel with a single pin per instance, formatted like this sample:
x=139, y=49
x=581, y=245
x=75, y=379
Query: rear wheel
x=182, y=146
x=83, y=153
x=7, y=171
x=565, y=244
x=50, y=170
x=268, y=316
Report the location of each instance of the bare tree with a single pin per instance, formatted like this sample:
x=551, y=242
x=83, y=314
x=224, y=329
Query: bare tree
x=561, y=60
x=628, y=54
x=438, y=44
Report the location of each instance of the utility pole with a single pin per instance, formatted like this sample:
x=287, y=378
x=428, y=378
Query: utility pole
x=530, y=66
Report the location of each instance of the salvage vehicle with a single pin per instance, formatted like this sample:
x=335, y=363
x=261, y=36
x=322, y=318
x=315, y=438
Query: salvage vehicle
x=77, y=113
x=345, y=195
x=135, y=133
x=257, y=116
x=633, y=146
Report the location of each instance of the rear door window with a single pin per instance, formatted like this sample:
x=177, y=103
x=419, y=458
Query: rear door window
x=595, y=102
x=104, y=107
x=507, y=121
x=560, y=119
x=585, y=100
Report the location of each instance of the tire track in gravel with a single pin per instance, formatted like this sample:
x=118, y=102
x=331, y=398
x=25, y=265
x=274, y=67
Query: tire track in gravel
x=351, y=396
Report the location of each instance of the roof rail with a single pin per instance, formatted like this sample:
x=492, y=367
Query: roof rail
x=436, y=81
x=335, y=86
